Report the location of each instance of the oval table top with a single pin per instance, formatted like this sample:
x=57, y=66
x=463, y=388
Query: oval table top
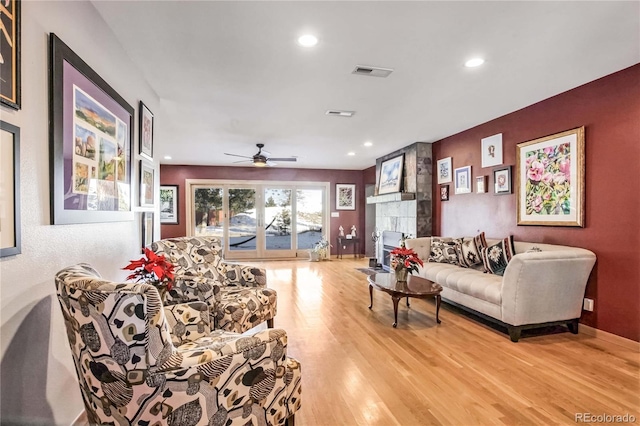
x=414, y=286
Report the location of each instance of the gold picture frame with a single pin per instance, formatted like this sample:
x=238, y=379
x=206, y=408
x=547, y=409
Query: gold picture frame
x=550, y=179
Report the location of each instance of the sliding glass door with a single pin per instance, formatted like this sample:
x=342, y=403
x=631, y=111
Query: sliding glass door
x=259, y=220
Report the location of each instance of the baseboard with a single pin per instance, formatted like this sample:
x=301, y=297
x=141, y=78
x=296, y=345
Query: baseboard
x=610, y=337
x=81, y=420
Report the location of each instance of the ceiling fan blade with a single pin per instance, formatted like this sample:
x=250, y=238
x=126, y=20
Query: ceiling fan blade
x=265, y=152
x=243, y=161
x=284, y=159
x=236, y=155
x=271, y=164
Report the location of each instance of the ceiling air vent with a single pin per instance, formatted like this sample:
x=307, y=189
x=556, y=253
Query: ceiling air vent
x=338, y=113
x=372, y=71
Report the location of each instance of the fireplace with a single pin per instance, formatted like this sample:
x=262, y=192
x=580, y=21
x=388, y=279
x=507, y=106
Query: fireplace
x=390, y=240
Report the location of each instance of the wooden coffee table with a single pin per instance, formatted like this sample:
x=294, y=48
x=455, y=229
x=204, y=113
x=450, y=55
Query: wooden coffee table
x=417, y=287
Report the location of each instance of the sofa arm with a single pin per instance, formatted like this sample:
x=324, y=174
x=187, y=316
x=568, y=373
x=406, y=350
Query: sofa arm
x=242, y=275
x=188, y=321
x=546, y=286
x=421, y=245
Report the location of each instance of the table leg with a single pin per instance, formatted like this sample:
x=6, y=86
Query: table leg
x=395, y=310
x=371, y=296
x=438, y=309
x=408, y=301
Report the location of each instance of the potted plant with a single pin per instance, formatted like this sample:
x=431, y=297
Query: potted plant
x=320, y=250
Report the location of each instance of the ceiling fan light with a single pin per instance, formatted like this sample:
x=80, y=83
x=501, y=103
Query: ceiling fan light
x=259, y=162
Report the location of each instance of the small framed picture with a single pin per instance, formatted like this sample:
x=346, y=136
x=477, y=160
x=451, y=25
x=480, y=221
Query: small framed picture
x=169, y=204
x=146, y=131
x=481, y=184
x=444, y=193
x=345, y=196
x=147, y=176
x=147, y=229
x=444, y=170
x=462, y=177
x=492, y=150
x=502, y=180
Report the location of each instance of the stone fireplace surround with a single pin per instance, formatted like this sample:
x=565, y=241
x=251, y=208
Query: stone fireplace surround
x=409, y=212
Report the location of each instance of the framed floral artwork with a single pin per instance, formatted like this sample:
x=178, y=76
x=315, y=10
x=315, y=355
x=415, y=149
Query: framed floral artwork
x=345, y=197
x=550, y=180
x=502, y=180
x=462, y=177
x=444, y=170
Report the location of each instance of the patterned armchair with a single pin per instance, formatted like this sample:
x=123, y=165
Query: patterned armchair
x=237, y=294
x=139, y=363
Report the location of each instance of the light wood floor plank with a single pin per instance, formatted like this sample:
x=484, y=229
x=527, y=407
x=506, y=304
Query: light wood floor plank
x=359, y=370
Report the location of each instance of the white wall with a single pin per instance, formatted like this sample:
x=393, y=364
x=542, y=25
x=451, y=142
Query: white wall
x=38, y=384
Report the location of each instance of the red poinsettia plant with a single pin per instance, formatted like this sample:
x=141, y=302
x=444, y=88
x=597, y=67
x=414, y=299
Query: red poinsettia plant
x=152, y=269
x=403, y=257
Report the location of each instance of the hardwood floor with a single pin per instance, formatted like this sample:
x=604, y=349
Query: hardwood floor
x=359, y=370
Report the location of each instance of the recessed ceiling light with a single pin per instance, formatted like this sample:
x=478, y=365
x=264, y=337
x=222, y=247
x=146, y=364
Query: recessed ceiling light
x=167, y=157
x=308, y=40
x=351, y=153
x=475, y=62
x=368, y=144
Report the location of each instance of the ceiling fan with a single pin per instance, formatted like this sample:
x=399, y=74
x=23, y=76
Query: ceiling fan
x=262, y=158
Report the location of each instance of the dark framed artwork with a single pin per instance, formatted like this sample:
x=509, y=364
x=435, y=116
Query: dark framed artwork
x=391, y=175
x=9, y=190
x=90, y=134
x=10, y=53
x=550, y=180
x=147, y=184
x=502, y=180
x=444, y=192
x=169, y=204
x=345, y=196
x=146, y=131
x=147, y=229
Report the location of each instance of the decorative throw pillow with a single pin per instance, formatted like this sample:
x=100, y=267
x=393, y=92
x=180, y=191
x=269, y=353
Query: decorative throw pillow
x=443, y=250
x=497, y=256
x=470, y=249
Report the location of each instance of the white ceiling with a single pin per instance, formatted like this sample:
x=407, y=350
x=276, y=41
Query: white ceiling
x=230, y=74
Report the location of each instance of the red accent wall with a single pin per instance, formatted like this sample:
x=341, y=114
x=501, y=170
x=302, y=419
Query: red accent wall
x=176, y=175
x=609, y=108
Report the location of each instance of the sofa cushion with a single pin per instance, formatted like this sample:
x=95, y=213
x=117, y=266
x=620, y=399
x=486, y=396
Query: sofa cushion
x=497, y=256
x=469, y=250
x=487, y=287
x=443, y=250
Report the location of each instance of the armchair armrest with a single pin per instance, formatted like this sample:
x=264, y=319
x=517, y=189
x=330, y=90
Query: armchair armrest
x=545, y=286
x=190, y=288
x=219, y=344
x=242, y=275
x=188, y=321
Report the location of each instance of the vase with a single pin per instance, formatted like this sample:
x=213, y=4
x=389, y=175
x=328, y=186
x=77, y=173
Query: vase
x=401, y=274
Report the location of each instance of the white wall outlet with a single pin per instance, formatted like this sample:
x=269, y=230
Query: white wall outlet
x=587, y=305
x=335, y=214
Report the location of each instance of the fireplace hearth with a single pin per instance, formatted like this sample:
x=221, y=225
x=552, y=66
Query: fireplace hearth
x=390, y=241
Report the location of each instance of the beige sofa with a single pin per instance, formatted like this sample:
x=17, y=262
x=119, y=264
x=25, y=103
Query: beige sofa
x=538, y=288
